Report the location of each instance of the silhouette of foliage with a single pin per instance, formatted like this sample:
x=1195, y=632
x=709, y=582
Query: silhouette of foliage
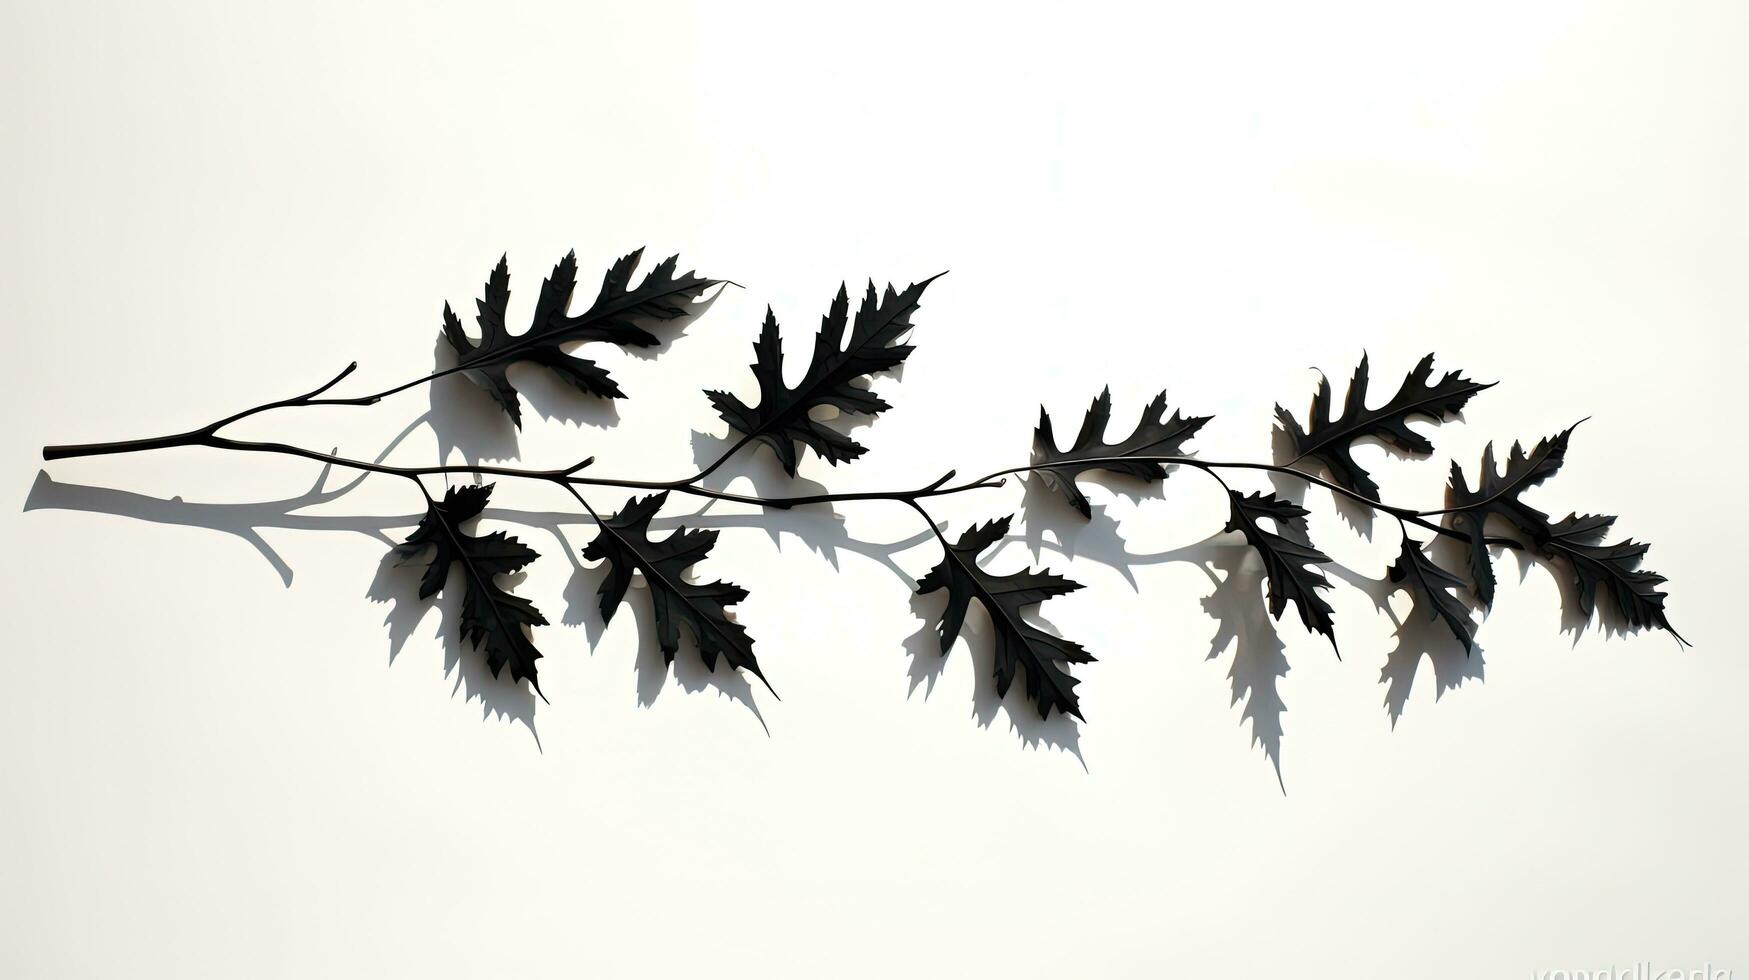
x=849, y=351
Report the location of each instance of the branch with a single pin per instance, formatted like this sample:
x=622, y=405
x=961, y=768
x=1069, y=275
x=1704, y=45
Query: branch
x=208, y=436
x=204, y=435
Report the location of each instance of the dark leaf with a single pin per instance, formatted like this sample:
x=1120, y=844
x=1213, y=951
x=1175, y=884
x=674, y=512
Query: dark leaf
x=781, y=419
x=1154, y=435
x=1018, y=643
x=1430, y=587
x=493, y=619
x=611, y=318
x=1497, y=493
x=624, y=543
x=1289, y=560
x=1330, y=441
x=1577, y=539
x=1614, y=567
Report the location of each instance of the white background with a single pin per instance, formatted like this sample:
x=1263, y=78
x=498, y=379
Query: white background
x=213, y=768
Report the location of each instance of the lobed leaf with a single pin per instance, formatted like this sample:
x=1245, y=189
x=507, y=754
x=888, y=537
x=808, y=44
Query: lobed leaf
x=1331, y=440
x=624, y=543
x=1575, y=540
x=492, y=618
x=612, y=318
x=1018, y=643
x=1289, y=559
x=1496, y=493
x=1611, y=568
x=781, y=419
x=1430, y=586
x=1154, y=435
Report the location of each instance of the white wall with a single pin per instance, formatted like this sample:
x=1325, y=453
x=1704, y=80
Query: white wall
x=214, y=770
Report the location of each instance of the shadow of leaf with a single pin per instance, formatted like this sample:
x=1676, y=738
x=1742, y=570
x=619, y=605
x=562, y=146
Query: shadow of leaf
x=1096, y=538
x=1356, y=515
x=1259, y=657
x=819, y=527
x=1421, y=638
x=463, y=417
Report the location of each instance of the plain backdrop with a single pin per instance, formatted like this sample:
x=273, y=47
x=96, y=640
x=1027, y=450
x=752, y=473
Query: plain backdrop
x=213, y=766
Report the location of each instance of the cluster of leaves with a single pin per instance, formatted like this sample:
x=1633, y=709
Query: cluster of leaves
x=1603, y=577
x=849, y=351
